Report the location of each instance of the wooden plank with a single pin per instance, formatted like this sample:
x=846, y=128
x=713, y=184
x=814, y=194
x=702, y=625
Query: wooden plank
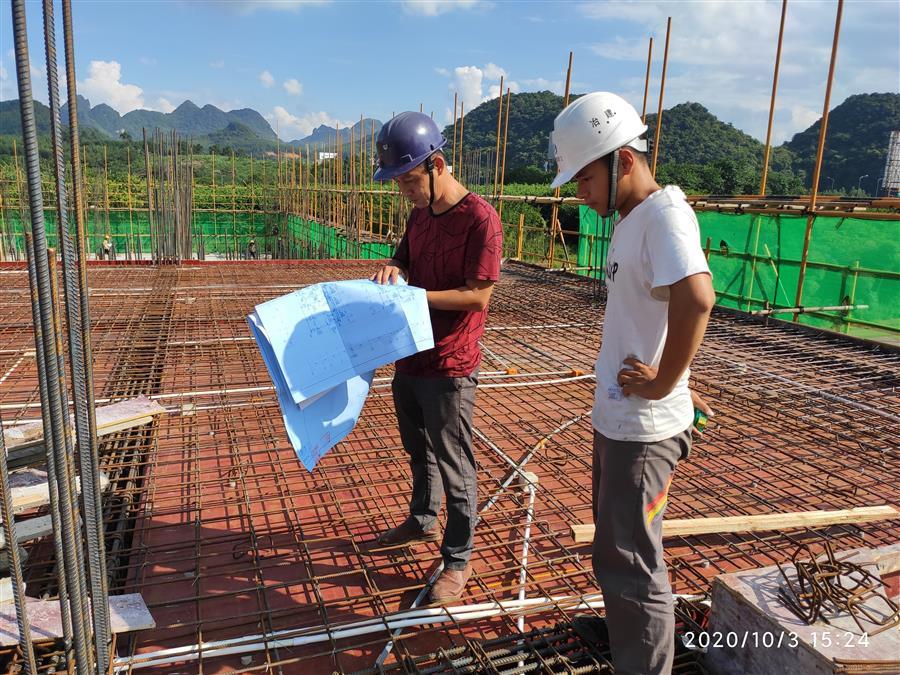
x=33, y=528
x=29, y=488
x=110, y=418
x=681, y=527
x=126, y=613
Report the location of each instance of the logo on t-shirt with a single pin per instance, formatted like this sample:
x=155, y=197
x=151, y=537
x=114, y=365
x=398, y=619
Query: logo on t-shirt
x=611, y=269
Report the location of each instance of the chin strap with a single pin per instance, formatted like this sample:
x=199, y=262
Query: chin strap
x=429, y=167
x=613, y=181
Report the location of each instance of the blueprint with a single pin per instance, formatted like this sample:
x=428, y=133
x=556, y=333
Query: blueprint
x=324, y=334
x=321, y=346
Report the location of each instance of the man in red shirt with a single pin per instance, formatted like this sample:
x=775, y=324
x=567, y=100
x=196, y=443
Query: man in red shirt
x=452, y=249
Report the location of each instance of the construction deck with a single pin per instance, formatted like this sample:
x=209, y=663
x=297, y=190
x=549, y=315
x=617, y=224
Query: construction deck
x=231, y=542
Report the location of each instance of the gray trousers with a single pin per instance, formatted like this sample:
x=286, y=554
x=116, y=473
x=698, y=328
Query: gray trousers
x=435, y=419
x=631, y=484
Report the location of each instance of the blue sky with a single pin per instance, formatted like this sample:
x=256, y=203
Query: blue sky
x=304, y=63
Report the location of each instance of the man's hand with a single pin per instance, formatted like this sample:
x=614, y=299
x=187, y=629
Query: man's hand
x=387, y=275
x=640, y=379
x=701, y=404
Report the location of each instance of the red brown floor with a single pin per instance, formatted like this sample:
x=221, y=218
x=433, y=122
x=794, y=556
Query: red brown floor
x=215, y=522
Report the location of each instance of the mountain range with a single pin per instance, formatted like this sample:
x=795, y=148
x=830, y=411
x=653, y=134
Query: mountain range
x=691, y=137
x=244, y=129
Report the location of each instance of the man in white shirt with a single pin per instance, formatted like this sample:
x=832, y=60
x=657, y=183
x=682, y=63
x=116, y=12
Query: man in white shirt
x=659, y=297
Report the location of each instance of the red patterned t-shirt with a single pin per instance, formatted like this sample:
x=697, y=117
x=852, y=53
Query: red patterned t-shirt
x=441, y=252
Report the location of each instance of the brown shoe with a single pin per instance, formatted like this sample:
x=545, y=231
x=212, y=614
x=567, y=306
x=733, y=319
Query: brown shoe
x=450, y=585
x=406, y=532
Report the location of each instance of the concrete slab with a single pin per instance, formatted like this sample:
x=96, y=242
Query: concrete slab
x=752, y=631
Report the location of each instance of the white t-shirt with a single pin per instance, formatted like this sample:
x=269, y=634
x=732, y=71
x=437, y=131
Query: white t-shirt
x=654, y=246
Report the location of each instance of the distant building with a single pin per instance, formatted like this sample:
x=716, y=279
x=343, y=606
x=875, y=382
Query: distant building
x=322, y=156
x=891, y=184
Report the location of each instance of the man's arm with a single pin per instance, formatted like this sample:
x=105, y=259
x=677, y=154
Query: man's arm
x=473, y=297
x=690, y=302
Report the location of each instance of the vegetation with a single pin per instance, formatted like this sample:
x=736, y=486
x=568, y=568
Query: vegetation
x=698, y=152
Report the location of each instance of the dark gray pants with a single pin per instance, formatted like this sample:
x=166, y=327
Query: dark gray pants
x=631, y=484
x=435, y=419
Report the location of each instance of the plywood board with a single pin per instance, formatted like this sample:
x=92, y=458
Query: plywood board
x=29, y=488
x=110, y=418
x=126, y=613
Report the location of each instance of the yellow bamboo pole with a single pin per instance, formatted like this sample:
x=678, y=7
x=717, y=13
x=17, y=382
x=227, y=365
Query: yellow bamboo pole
x=814, y=189
x=453, y=153
x=130, y=205
x=554, y=210
x=106, y=190
x=662, y=91
x=520, y=235
x=497, y=149
x=765, y=166
x=462, y=126
x=215, y=217
x=503, y=165
x=647, y=81
x=233, y=215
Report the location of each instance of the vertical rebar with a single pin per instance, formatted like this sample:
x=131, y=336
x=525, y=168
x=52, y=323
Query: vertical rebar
x=15, y=563
x=56, y=433
x=78, y=322
x=52, y=485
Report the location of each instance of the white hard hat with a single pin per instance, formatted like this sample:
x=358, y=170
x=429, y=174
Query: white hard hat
x=592, y=127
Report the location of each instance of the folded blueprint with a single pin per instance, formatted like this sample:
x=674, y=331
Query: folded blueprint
x=321, y=346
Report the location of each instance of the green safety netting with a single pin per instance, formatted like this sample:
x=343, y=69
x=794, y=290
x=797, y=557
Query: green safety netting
x=222, y=234
x=755, y=260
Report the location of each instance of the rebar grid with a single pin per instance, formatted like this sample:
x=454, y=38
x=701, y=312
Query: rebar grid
x=214, y=521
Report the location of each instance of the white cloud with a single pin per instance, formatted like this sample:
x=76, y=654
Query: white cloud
x=467, y=83
x=722, y=54
x=164, y=105
x=104, y=85
x=251, y=6
x=3, y=74
x=802, y=117
x=293, y=87
x=493, y=72
x=266, y=78
x=442, y=72
x=294, y=127
x=437, y=7
x=494, y=89
x=217, y=64
x=147, y=61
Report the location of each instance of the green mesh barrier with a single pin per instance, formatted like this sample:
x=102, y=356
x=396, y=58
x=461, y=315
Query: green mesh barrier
x=223, y=235
x=755, y=260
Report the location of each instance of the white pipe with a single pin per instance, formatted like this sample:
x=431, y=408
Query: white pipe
x=529, y=514
x=14, y=366
x=297, y=638
x=252, y=390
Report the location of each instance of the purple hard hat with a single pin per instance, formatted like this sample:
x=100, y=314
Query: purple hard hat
x=404, y=142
